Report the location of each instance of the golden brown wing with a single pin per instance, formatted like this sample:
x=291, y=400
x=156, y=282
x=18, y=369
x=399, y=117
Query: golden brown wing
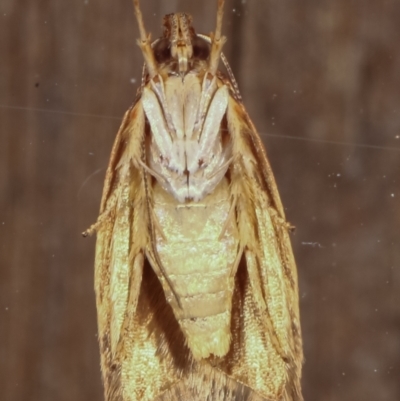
x=271, y=356
x=121, y=238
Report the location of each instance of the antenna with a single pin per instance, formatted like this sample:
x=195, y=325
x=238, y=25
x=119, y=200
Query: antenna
x=220, y=15
x=217, y=40
x=144, y=42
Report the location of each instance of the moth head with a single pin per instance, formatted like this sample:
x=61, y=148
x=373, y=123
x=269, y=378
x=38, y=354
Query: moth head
x=180, y=45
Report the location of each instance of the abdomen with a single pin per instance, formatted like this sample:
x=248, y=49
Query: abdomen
x=198, y=249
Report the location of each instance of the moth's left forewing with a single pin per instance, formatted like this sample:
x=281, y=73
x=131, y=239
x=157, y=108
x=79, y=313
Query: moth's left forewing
x=121, y=238
x=269, y=259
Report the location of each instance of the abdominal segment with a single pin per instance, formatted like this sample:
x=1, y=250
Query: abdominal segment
x=197, y=245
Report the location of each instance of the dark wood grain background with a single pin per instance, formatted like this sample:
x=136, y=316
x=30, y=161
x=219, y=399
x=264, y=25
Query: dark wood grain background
x=321, y=81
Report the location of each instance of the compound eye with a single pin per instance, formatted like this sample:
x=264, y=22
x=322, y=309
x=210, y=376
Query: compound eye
x=162, y=50
x=201, y=48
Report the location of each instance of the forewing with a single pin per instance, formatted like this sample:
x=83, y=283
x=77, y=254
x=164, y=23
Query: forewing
x=121, y=239
x=269, y=260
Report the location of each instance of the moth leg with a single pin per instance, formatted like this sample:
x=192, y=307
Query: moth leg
x=159, y=128
x=157, y=84
x=159, y=177
x=237, y=261
x=159, y=269
x=104, y=217
x=206, y=180
x=220, y=169
x=279, y=220
x=232, y=78
x=163, y=147
x=157, y=225
x=229, y=218
x=209, y=86
x=211, y=129
x=255, y=279
x=95, y=226
x=282, y=228
x=135, y=282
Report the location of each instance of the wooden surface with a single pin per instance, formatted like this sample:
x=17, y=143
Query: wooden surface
x=321, y=81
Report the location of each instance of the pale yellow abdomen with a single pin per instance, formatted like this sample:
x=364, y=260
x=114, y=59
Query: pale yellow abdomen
x=198, y=249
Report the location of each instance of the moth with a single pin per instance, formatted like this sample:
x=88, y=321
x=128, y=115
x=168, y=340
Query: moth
x=196, y=284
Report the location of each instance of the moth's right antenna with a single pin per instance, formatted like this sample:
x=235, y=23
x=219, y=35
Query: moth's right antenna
x=217, y=40
x=144, y=42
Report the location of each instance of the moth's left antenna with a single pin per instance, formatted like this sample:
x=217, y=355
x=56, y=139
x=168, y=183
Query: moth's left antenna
x=144, y=42
x=217, y=40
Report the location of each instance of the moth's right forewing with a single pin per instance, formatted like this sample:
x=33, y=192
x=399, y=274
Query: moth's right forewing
x=121, y=237
x=269, y=260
